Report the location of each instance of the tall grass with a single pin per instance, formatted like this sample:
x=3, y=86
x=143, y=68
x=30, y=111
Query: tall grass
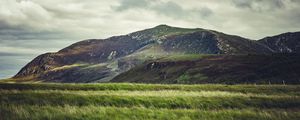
x=257, y=89
x=171, y=102
x=136, y=113
x=148, y=101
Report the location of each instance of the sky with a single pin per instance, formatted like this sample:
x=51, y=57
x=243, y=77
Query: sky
x=32, y=27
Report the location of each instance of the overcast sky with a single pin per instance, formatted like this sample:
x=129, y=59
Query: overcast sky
x=31, y=27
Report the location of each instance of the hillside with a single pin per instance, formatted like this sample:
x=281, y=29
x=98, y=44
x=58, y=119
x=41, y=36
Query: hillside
x=224, y=69
x=100, y=60
x=283, y=43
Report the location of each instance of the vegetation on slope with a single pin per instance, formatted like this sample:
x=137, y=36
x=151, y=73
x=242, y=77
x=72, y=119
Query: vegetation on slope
x=221, y=69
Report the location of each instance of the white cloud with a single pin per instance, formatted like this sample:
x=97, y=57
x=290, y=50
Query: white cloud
x=24, y=13
x=100, y=19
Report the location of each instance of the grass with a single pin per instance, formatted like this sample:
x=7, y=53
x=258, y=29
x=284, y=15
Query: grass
x=137, y=113
x=68, y=67
x=164, y=31
x=148, y=101
x=266, y=89
x=184, y=57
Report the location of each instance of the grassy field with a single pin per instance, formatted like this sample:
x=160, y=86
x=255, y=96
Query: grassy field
x=148, y=101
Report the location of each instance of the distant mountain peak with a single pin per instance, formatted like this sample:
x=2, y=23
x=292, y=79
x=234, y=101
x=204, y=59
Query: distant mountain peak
x=163, y=26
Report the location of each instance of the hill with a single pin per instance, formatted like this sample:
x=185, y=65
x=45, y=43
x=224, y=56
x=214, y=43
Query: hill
x=100, y=60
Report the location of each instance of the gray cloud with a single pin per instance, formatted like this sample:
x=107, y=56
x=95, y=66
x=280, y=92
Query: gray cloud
x=77, y=20
x=131, y=4
x=19, y=33
x=170, y=9
x=166, y=8
x=26, y=20
x=260, y=5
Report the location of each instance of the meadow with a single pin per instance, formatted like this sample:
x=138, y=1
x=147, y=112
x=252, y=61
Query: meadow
x=126, y=101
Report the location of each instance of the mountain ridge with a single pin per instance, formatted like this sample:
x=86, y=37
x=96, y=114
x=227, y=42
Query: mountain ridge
x=119, y=54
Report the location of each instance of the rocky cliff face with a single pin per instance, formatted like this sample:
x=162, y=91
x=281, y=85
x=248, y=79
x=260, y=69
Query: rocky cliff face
x=98, y=60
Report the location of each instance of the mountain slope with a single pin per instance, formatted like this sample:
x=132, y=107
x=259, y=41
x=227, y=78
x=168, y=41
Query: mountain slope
x=226, y=69
x=283, y=43
x=99, y=60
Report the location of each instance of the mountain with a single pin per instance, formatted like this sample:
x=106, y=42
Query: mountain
x=101, y=60
x=283, y=43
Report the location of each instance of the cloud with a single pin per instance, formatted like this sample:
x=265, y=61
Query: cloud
x=165, y=8
x=76, y=20
x=34, y=19
x=24, y=19
x=21, y=13
x=260, y=5
x=31, y=47
x=132, y=4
